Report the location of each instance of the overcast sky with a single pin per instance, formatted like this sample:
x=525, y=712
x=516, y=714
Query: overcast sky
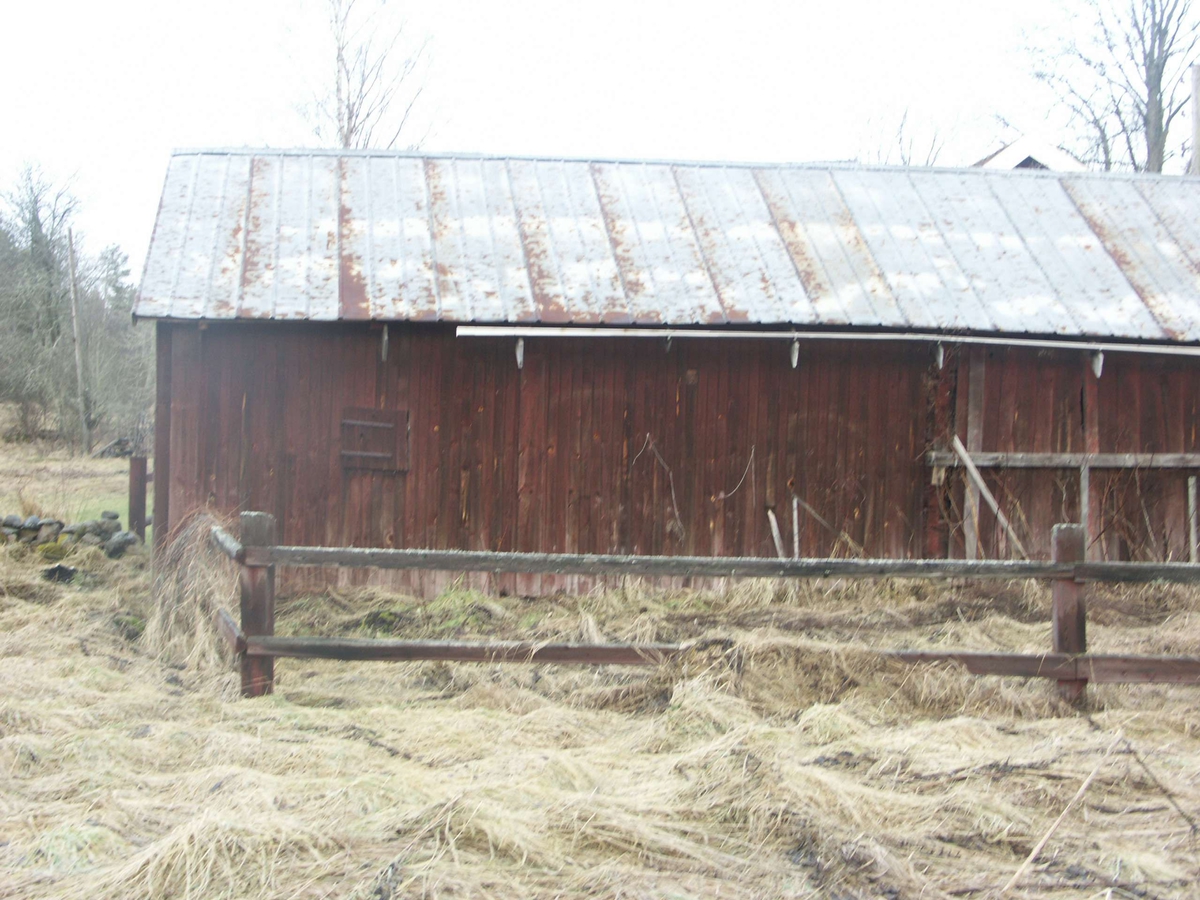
x=101, y=92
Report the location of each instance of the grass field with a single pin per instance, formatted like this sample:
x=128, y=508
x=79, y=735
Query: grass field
x=54, y=482
x=797, y=766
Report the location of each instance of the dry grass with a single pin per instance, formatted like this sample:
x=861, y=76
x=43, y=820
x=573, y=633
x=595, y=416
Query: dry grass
x=796, y=765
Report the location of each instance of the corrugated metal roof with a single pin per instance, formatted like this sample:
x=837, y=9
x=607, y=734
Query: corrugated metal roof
x=386, y=236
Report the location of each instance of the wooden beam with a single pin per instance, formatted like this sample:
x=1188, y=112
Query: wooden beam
x=1050, y=665
x=775, y=535
x=463, y=651
x=1068, y=612
x=1108, y=669
x=257, y=604
x=982, y=489
x=1098, y=668
x=137, y=496
x=714, y=566
x=228, y=629
x=1138, y=573
x=682, y=566
x=796, y=527
x=162, y=434
x=1058, y=666
x=974, y=444
x=227, y=544
x=1192, y=500
x=944, y=458
x=1089, y=512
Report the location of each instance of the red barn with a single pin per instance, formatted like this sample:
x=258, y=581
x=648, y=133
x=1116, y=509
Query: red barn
x=400, y=350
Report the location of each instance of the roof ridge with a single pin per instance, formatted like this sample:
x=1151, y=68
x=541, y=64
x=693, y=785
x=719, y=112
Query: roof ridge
x=827, y=165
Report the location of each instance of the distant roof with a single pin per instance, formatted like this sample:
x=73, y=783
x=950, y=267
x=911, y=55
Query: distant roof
x=1030, y=153
x=265, y=234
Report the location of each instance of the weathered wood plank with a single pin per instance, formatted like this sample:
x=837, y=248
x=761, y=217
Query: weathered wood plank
x=974, y=444
x=227, y=544
x=683, y=566
x=1138, y=572
x=942, y=458
x=137, y=496
x=228, y=629
x=1068, y=612
x=162, y=433
x=1089, y=511
x=1192, y=514
x=716, y=566
x=1138, y=669
x=257, y=604
x=462, y=651
x=1051, y=665
x=982, y=490
x=1058, y=666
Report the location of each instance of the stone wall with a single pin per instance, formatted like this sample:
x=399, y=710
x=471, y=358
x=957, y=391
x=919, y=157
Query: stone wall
x=52, y=537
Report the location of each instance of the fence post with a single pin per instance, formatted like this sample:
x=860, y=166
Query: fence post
x=1068, y=610
x=258, y=604
x=137, y=496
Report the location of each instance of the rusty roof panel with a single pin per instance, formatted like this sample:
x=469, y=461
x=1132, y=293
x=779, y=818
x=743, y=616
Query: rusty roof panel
x=465, y=290
x=157, y=291
x=512, y=277
x=656, y=251
x=354, y=218
x=382, y=236
x=1088, y=283
x=830, y=255
x=223, y=287
x=257, y=297
x=1135, y=238
x=293, y=251
x=905, y=238
x=998, y=267
x=194, y=264
x=749, y=264
x=1175, y=202
x=533, y=228
x=579, y=243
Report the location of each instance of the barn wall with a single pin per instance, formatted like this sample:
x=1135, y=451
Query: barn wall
x=628, y=446
x=1047, y=401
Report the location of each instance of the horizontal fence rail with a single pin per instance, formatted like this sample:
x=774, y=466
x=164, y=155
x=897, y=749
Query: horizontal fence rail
x=466, y=651
x=702, y=566
x=1069, y=664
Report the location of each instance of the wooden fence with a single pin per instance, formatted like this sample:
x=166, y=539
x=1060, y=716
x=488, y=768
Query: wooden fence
x=1067, y=661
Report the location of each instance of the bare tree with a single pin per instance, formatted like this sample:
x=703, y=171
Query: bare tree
x=38, y=213
x=1122, y=81
x=38, y=372
x=376, y=81
x=901, y=146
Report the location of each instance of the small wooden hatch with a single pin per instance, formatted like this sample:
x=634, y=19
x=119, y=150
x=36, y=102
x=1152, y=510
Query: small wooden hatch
x=375, y=439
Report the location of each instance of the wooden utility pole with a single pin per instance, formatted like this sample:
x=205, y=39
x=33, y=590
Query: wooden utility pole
x=84, y=432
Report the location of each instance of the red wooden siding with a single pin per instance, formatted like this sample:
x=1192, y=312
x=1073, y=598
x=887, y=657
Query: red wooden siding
x=630, y=446
x=1036, y=401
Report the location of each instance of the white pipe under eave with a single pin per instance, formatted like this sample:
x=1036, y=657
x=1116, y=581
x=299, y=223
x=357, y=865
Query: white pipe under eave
x=1095, y=347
